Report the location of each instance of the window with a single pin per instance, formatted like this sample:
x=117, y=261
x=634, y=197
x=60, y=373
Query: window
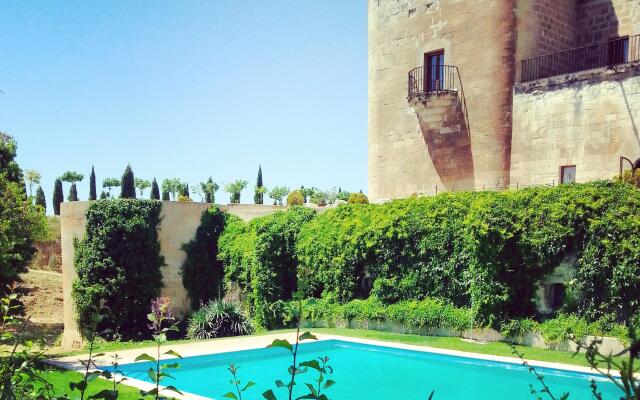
x=434, y=71
x=568, y=174
x=556, y=295
x=618, y=51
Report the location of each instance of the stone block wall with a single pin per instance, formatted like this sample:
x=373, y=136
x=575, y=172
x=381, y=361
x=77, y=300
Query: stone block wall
x=600, y=20
x=178, y=224
x=477, y=37
x=588, y=119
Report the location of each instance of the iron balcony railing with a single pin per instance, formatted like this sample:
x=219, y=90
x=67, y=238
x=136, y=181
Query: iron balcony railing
x=599, y=55
x=433, y=80
x=424, y=81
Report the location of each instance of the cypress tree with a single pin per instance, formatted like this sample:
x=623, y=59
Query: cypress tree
x=73, y=193
x=185, y=190
x=258, y=197
x=165, y=196
x=128, y=186
x=155, y=190
x=103, y=195
x=58, y=197
x=92, y=185
x=209, y=195
x=40, y=200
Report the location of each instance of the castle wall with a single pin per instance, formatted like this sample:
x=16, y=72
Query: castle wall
x=587, y=119
x=482, y=46
x=178, y=224
x=600, y=20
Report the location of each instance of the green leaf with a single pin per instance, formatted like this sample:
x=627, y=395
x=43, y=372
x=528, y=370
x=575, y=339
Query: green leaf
x=151, y=373
x=172, y=353
x=269, y=395
x=311, y=364
x=329, y=383
x=248, y=385
x=280, y=384
x=105, y=394
x=231, y=396
x=172, y=389
x=91, y=376
x=284, y=343
x=307, y=336
x=145, y=357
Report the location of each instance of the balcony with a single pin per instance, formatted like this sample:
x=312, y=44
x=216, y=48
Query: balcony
x=599, y=55
x=427, y=81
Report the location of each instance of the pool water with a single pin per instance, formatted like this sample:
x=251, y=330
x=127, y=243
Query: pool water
x=363, y=371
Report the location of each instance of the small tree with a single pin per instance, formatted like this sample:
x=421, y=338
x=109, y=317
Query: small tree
x=92, y=185
x=58, y=197
x=32, y=177
x=103, y=195
x=40, y=200
x=71, y=177
x=185, y=190
x=128, y=185
x=142, y=185
x=209, y=188
x=260, y=190
x=165, y=196
x=155, y=190
x=172, y=186
x=358, y=198
x=278, y=193
x=235, y=189
x=295, y=198
x=109, y=183
x=73, y=193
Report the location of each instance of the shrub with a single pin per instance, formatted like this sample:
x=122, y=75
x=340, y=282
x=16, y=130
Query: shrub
x=319, y=198
x=202, y=272
x=260, y=259
x=119, y=261
x=426, y=313
x=21, y=224
x=358, y=198
x=218, y=318
x=295, y=198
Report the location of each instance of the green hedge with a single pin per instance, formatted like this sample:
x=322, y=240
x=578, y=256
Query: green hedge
x=119, y=261
x=426, y=313
x=434, y=313
x=259, y=258
x=484, y=250
x=202, y=272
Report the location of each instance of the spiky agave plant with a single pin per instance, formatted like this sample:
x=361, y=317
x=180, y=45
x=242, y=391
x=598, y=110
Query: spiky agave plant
x=218, y=318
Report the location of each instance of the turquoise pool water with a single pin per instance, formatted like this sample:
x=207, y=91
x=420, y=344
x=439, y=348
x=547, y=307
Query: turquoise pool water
x=374, y=372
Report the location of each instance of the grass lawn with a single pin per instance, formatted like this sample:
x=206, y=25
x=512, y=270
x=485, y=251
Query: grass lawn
x=60, y=379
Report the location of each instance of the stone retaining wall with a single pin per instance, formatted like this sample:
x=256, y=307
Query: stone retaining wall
x=533, y=339
x=178, y=224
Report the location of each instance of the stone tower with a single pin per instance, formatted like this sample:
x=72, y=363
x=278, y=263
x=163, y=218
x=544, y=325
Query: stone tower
x=441, y=74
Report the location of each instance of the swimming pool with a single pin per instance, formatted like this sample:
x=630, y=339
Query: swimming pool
x=364, y=371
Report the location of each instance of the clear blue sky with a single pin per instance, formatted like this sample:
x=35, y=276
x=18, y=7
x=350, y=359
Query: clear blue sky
x=188, y=89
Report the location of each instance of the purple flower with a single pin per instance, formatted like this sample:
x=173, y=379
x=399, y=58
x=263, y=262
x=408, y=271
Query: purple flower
x=160, y=313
